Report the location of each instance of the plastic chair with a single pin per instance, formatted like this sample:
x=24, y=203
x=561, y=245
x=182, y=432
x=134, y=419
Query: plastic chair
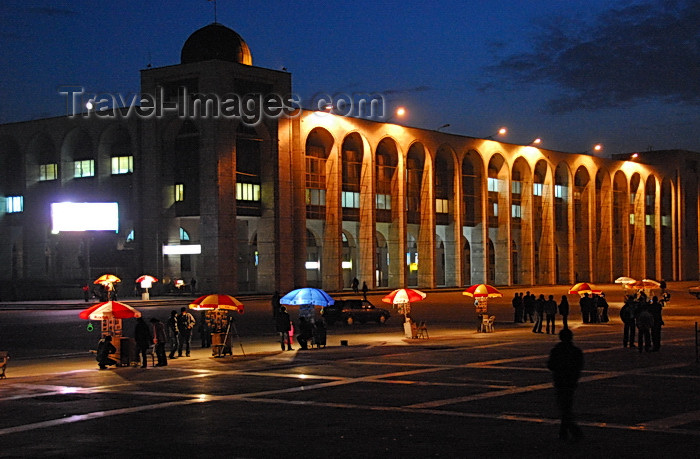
x=489, y=323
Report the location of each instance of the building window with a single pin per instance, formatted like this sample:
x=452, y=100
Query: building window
x=247, y=191
x=179, y=192
x=493, y=184
x=384, y=202
x=14, y=204
x=516, y=187
x=184, y=235
x=516, y=211
x=631, y=219
x=122, y=165
x=48, y=172
x=632, y=196
x=84, y=168
x=665, y=220
x=537, y=189
x=315, y=197
x=559, y=191
x=442, y=206
x=495, y=209
x=350, y=199
x=130, y=236
x=649, y=220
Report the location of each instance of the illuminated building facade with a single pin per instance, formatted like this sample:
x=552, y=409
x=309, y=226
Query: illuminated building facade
x=317, y=199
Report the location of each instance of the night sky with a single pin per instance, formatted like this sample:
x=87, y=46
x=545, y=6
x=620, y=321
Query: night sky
x=575, y=73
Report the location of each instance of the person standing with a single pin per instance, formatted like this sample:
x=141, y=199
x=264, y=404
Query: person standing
x=644, y=321
x=143, y=338
x=355, y=285
x=204, y=330
x=364, y=290
x=517, y=308
x=655, y=309
x=104, y=348
x=539, y=314
x=627, y=313
x=283, y=325
x=564, y=311
x=586, y=304
x=185, y=324
x=566, y=363
x=159, y=339
x=529, y=307
x=173, y=333
x=603, y=306
x=550, y=312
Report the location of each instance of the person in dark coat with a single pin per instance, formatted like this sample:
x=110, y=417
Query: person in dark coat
x=143, y=338
x=364, y=290
x=529, y=307
x=517, y=308
x=550, y=312
x=320, y=332
x=564, y=311
x=104, y=348
x=566, y=362
x=355, y=285
x=603, y=306
x=306, y=332
x=283, y=324
x=173, y=333
x=539, y=314
x=586, y=304
x=627, y=314
x=159, y=339
x=655, y=309
x=645, y=321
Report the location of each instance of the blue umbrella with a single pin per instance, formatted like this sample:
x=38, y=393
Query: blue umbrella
x=307, y=295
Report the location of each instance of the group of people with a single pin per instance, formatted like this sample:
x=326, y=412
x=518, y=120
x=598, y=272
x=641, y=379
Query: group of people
x=540, y=310
x=643, y=316
x=310, y=331
x=177, y=331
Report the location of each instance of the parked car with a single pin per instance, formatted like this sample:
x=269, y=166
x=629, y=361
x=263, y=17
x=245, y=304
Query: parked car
x=695, y=291
x=351, y=311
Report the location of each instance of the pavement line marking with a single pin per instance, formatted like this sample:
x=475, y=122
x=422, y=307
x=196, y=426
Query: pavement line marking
x=672, y=421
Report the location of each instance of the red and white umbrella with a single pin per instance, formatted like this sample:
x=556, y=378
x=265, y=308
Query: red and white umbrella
x=209, y=302
x=581, y=288
x=109, y=310
x=146, y=278
x=404, y=296
x=482, y=291
x=107, y=279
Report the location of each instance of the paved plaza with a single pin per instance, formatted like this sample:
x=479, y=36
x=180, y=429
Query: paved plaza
x=457, y=394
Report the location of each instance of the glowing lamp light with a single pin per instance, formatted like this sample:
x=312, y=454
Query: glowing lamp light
x=312, y=265
x=413, y=267
x=346, y=264
x=537, y=141
x=503, y=131
x=401, y=111
x=189, y=249
x=635, y=156
x=597, y=147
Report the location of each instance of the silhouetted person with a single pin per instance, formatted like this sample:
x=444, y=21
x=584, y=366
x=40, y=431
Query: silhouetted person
x=517, y=308
x=539, y=314
x=566, y=362
x=644, y=323
x=655, y=310
x=364, y=290
x=564, y=311
x=550, y=313
x=159, y=339
x=529, y=307
x=143, y=338
x=283, y=325
x=306, y=332
x=355, y=285
x=104, y=348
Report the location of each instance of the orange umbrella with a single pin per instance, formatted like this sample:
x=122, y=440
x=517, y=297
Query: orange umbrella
x=209, y=302
x=109, y=310
x=107, y=279
x=482, y=291
x=581, y=288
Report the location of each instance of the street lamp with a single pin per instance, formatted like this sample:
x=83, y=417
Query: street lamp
x=501, y=131
x=537, y=141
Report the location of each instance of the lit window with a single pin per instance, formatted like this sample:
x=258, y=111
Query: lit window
x=384, y=202
x=559, y=191
x=48, y=171
x=515, y=210
x=631, y=219
x=650, y=199
x=495, y=209
x=315, y=197
x=247, y=191
x=84, y=168
x=122, y=165
x=493, y=184
x=179, y=192
x=537, y=189
x=632, y=198
x=516, y=187
x=184, y=235
x=130, y=236
x=14, y=204
x=649, y=220
x=666, y=220
x=442, y=206
x=351, y=199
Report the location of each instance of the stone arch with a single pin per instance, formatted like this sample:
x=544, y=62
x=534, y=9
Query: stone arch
x=666, y=249
x=114, y=150
x=42, y=160
x=582, y=224
x=473, y=189
x=498, y=211
x=389, y=213
x=636, y=227
x=521, y=221
x=446, y=195
x=318, y=146
x=620, y=222
x=543, y=223
x=650, y=225
x=563, y=238
x=602, y=236
x=77, y=147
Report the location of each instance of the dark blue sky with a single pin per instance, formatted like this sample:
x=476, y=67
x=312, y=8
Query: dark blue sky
x=623, y=73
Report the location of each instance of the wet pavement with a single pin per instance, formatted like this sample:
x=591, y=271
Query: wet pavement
x=457, y=394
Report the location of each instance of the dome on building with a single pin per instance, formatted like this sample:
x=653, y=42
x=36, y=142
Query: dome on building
x=215, y=41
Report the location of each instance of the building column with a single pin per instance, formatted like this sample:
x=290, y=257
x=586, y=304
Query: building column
x=331, y=269
x=367, y=243
x=426, y=232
